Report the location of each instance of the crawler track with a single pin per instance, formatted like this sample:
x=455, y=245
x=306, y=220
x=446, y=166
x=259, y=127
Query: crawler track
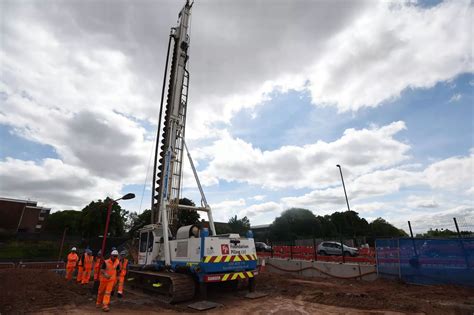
x=169, y=287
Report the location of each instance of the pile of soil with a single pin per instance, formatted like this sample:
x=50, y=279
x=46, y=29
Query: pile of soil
x=30, y=290
x=377, y=295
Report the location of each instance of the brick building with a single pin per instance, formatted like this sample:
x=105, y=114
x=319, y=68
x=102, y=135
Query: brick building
x=21, y=216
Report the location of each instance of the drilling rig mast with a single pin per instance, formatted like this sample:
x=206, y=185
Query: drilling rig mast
x=172, y=259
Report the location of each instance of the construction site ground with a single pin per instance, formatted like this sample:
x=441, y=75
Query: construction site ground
x=44, y=292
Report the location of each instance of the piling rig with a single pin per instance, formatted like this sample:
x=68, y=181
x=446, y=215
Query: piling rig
x=175, y=264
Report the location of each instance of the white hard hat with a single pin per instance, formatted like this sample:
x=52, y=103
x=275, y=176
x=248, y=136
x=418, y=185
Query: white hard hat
x=114, y=253
x=73, y=249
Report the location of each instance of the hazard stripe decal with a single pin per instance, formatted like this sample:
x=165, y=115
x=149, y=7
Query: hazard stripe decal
x=229, y=258
x=230, y=276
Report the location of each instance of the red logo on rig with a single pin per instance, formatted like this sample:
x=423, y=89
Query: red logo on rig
x=225, y=249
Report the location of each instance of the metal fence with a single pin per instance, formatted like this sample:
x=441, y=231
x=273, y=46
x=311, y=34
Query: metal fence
x=427, y=261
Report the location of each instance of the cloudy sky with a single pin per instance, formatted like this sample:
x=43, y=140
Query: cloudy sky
x=281, y=92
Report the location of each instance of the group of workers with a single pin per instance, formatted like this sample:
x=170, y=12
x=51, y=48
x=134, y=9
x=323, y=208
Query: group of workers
x=110, y=273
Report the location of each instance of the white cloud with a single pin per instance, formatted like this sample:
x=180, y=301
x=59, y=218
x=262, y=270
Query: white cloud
x=422, y=202
x=258, y=197
x=454, y=173
x=81, y=77
x=311, y=165
x=256, y=209
x=456, y=97
x=442, y=219
x=446, y=177
x=53, y=183
x=227, y=208
x=391, y=48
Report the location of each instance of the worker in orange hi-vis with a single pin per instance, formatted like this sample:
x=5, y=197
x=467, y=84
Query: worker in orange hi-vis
x=97, y=259
x=97, y=265
x=87, y=263
x=123, y=273
x=72, y=259
x=80, y=268
x=109, y=270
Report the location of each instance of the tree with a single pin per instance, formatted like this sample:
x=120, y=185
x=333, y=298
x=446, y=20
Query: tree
x=137, y=221
x=187, y=217
x=295, y=223
x=349, y=224
x=380, y=227
x=94, y=217
x=443, y=233
x=240, y=226
x=59, y=220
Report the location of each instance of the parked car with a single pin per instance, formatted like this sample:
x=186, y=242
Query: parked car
x=262, y=247
x=334, y=248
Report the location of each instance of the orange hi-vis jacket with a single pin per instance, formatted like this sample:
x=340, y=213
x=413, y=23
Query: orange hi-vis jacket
x=123, y=267
x=72, y=260
x=97, y=268
x=88, y=260
x=111, y=269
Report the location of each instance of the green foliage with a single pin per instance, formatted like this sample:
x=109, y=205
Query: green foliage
x=59, y=220
x=349, y=224
x=294, y=223
x=240, y=226
x=137, y=221
x=90, y=221
x=94, y=217
x=222, y=228
x=380, y=227
x=187, y=217
x=38, y=250
x=442, y=233
x=299, y=223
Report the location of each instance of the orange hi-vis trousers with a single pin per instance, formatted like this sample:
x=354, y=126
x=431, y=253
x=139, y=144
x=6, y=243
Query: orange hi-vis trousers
x=79, y=274
x=121, y=279
x=86, y=275
x=105, y=289
x=69, y=272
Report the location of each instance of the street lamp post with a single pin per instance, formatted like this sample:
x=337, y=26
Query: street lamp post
x=104, y=240
x=344, y=186
x=109, y=211
x=348, y=209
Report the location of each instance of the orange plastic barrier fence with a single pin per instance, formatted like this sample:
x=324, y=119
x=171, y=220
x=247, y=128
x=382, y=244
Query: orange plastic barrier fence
x=307, y=253
x=7, y=265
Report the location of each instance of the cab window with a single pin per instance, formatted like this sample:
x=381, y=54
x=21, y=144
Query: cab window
x=143, y=241
x=150, y=241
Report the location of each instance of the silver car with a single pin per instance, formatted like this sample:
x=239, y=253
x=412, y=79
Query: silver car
x=334, y=248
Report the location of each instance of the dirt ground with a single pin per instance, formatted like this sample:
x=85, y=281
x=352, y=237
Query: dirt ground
x=44, y=292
